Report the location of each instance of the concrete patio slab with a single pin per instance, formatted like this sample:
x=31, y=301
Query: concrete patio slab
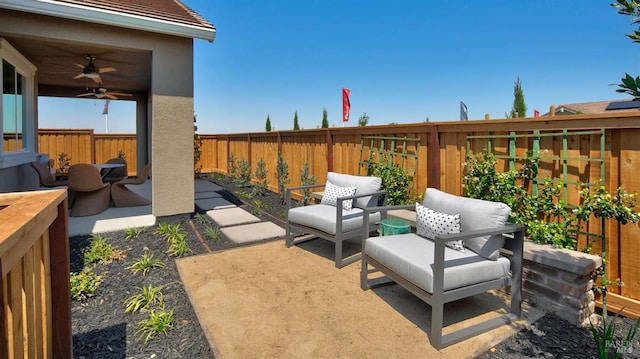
x=232, y=216
x=113, y=219
x=206, y=186
x=207, y=204
x=253, y=232
x=207, y=194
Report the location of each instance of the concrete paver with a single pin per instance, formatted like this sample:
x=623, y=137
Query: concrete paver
x=206, y=186
x=208, y=194
x=253, y=232
x=232, y=216
x=207, y=204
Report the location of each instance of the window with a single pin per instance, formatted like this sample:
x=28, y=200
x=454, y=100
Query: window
x=17, y=107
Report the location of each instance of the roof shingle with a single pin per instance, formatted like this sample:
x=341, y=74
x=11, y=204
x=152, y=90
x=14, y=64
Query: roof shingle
x=167, y=10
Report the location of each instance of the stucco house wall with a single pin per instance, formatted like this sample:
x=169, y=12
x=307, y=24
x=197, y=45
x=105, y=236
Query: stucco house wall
x=167, y=106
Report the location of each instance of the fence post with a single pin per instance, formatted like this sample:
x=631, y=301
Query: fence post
x=249, y=150
x=329, y=151
x=433, y=153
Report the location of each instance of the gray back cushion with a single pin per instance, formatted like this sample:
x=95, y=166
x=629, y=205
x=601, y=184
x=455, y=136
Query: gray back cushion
x=365, y=184
x=474, y=214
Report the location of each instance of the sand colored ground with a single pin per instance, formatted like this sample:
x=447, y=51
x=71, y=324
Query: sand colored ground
x=267, y=301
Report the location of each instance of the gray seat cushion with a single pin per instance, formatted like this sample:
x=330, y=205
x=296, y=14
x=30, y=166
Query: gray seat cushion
x=411, y=256
x=323, y=218
x=475, y=214
x=364, y=184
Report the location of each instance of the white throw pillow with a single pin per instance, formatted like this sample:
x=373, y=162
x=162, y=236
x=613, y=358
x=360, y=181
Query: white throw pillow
x=333, y=192
x=430, y=223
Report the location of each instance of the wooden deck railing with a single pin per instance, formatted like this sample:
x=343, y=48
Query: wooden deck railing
x=35, y=302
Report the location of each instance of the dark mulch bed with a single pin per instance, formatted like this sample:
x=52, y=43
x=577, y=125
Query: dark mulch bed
x=101, y=328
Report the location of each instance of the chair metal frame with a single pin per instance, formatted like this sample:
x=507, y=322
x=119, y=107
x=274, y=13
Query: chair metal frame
x=340, y=235
x=513, y=247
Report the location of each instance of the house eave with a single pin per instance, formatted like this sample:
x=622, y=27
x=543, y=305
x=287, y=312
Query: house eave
x=100, y=16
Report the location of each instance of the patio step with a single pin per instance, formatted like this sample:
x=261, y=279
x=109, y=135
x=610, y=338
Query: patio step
x=253, y=232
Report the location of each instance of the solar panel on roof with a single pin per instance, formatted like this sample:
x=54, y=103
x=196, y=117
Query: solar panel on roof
x=624, y=105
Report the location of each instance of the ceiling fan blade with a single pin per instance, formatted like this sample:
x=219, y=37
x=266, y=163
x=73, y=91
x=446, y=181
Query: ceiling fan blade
x=96, y=78
x=80, y=66
x=86, y=94
x=110, y=96
x=120, y=93
x=78, y=76
x=106, y=69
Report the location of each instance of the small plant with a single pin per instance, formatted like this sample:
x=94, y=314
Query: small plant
x=84, y=284
x=197, y=150
x=159, y=321
x=121, y=154
x=178, y=246
x=100, y=251
x=148, y=296
x=282, y=175
x=306, y=178
x=202, y=218
x=168, y=230
x=604, y=337
x=246, y=196
x=212, y=232
x=63, y=162
x=260, y=186
x=244, y=174
x=232, y=167
x=145, y=263
x=133, y=232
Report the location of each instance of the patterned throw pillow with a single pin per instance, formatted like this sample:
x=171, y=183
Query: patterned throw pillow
x=431, y=223
x=332, y=192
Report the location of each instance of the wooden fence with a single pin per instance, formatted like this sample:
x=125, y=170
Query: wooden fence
x=83, y=146
x=442, y=152
x=441, y=155
x=35, y=299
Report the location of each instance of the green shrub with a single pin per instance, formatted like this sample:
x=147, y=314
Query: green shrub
x=148, y=296
x=145, y=263
x=260, y=185
x=244, y=174
x=282, y=175
x=306, y=178
x=395, y=180
x=159, y=321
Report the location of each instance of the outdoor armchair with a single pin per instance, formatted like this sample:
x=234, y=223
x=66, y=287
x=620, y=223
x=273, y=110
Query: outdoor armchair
x=46, y=179
x=125, y=197
x=115, y=174
x=339, y=216
x=89, y=195
x=463, y=247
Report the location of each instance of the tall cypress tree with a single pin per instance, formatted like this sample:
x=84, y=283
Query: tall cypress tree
x=267, y=126
x=296, y=126
x=519, y=108
x=325, y=121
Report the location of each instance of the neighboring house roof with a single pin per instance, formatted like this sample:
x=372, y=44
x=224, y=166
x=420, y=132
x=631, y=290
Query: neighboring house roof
x=590, y=107
x=164, y=16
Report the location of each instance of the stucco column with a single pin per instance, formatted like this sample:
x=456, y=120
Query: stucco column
x=172, y=130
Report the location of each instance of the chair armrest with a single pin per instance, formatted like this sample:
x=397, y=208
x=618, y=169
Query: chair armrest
x=295, y=188
x=508, y=228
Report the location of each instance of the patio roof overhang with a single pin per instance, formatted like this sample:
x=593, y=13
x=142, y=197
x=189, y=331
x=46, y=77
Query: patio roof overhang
x=113, y=18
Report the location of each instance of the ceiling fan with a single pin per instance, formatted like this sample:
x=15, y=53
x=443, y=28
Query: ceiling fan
x=91, y=71
x=101, y=92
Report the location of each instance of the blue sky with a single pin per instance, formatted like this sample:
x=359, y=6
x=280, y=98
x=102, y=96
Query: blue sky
x=403, y=61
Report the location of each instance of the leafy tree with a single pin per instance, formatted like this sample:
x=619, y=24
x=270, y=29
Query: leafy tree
x=363, y=120
x=197, y=149
x=519, y=108
x=306, y=178
x=325, y=121
x=282, y=175
x=630, y=85
x=267, y=126
x=296, y=126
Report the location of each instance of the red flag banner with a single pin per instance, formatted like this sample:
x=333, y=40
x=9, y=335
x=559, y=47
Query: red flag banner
x=346, y=105
x=105, y=109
